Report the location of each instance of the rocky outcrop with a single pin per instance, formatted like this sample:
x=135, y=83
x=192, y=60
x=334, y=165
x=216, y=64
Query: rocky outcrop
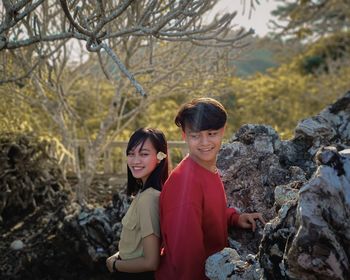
x=320, y=248
x=97, y=229
x=34, y=199
x=29, y=177
x=309, y=239
x=228, y=264
x=302, y=187
x=253, y=170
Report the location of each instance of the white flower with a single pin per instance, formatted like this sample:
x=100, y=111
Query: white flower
x=161, y=156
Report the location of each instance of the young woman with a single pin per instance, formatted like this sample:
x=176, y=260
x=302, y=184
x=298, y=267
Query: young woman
x=139, y=245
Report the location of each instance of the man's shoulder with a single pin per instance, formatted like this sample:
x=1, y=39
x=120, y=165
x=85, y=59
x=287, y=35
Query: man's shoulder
x=184, y=167
x=185, y=164
x=184, y=176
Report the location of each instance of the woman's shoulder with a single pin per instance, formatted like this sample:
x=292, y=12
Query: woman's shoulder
x=151, y=191
x=148, y=200
x=149, y=194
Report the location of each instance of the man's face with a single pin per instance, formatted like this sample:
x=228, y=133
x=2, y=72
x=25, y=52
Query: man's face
x=204, y=145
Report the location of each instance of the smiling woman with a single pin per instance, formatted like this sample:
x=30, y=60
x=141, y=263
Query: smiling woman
x=142, y=160
x=139, y=245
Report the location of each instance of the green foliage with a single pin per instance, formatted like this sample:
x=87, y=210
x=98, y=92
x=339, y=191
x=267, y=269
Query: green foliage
x=16, y=114
x=326, y=50
x=313, y=63
x=161, y=114
x=309, y=19
x=284, y=96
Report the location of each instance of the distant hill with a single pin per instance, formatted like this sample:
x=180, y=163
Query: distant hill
x=254, y=60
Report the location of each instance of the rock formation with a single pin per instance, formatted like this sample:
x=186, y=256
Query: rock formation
x=302, y=187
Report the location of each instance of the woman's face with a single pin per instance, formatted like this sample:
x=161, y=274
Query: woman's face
x=143, y=161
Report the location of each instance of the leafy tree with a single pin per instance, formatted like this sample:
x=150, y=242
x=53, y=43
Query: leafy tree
x=314, y=54
x=327, y=54
x=284, y=95
x=309, y=19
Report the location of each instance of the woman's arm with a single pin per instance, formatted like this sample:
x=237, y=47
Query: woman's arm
x=149, y=262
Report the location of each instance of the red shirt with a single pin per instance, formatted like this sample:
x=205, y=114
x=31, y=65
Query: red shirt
x=193, y=218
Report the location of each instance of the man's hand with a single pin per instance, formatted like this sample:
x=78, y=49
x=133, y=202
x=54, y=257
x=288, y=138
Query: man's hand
x=247, y=220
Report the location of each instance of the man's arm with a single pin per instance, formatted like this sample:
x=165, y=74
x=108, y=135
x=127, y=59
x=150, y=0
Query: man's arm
x=244, y=220
x=248, y=220
x=232, y=217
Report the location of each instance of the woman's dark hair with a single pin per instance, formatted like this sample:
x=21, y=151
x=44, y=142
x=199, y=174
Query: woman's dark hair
x=159, y=175
x=201, y=114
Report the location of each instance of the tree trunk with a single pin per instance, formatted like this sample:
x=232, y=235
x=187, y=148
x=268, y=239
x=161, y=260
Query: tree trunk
x=87, y=175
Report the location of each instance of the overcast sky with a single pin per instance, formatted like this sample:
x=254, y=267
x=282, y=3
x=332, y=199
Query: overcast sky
x=259, y=18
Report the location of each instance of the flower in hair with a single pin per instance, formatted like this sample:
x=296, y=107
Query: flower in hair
x=161, y=156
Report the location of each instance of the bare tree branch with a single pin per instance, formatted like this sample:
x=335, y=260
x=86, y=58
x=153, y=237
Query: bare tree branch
x=122, y=68
x=98, y=22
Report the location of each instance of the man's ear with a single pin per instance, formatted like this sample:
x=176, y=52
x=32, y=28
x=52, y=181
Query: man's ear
x=183, y=134
x=224, y=128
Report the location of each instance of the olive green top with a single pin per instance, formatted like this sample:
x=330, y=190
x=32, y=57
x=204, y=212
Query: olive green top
x=140, y=221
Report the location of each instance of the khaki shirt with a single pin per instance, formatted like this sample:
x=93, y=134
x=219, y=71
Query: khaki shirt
x=141, y=220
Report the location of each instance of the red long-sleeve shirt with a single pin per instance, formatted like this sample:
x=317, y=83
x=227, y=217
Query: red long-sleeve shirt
x=193, y=218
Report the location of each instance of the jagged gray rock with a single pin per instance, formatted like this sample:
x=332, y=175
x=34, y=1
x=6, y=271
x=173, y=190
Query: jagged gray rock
x=227, y=264
x=310, y=237
x=98, y=229
x=321, y=246
x=262, y=173
x=252, y=167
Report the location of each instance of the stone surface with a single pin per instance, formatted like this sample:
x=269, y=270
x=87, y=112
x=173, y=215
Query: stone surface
x=227, y=264
x=302, y=188
x=17, y=245
x=310, y=237
x=321, y=246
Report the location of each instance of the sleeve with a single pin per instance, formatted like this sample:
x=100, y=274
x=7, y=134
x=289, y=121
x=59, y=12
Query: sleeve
x=183, y=235
x=232, y=217
x=148, y=209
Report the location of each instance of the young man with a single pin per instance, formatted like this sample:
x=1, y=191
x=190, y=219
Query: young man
x=194, y=217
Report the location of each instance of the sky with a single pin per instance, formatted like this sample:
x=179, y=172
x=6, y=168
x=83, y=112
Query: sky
x=259, y=18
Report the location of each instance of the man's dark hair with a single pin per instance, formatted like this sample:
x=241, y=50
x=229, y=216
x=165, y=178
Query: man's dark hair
x=201, y=114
